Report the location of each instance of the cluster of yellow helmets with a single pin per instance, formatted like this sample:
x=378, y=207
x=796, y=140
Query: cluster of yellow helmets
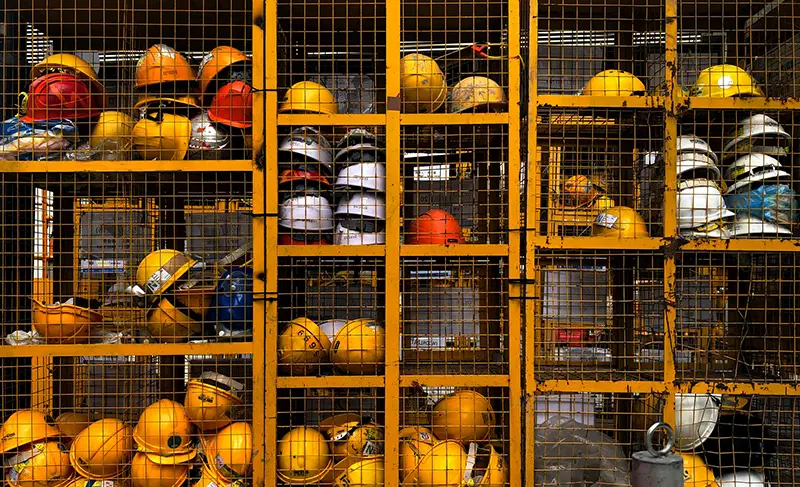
x=354, y=347
x=347, y=450
x=161, y=450
x=423, y=89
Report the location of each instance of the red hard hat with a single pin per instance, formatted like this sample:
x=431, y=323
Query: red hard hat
x=233, y=105
x=61, y=96
x=286, y=239
x=290, y=175
x=434, y=227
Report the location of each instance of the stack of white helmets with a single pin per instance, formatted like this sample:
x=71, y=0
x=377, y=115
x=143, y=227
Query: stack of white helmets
x=758, y=190
x=361, y=185
x=305, y=214
x=701, y=209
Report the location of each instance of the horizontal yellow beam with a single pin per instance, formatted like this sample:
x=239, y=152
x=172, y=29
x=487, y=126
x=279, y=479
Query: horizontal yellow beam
x=579, y=101
x=597, y=243
x=331, y=250
x=656, y=243
x=466, y=250
x=346, y=119
x=331, y=382
x=746, y=389
x=125, y=166
x=610, y=386
x=742, y=103
x=455, y=380
x=454, y=119
x=131, y=349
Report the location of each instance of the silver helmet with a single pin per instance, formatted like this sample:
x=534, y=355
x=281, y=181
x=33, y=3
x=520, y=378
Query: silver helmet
x=208, y=140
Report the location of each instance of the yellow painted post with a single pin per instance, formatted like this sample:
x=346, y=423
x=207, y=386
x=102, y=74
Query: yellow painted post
x=394, y=198
x=265, y=262
x=515, y=410
x=670, y=202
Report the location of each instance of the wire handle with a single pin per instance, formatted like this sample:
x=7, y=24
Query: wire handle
x=648, y=439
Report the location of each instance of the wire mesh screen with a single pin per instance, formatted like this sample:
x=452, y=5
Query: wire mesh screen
x=584, y=46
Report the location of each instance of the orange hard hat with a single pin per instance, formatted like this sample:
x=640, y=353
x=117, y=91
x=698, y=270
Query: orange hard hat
x=435, y=227
x=291, y=175
x=162, y=64
x=307, y=239
x=233, y=105
x=215, y=63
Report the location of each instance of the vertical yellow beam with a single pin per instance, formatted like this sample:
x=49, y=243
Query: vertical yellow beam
x=514, y=239
x=265, y=263
x=394, y=197
x=532, y=171
x=670, y=203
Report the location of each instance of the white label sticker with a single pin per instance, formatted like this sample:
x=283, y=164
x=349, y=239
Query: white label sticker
x=725, y=82
x=208, y=57
x=606, y=220
x=424, y=436
x=157, y=280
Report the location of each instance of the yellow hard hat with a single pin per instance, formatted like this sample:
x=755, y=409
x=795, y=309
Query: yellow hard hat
x=162, y=136
x=205, y=476
x=25, y=427
x=309, y=97
x=602, y=203
x=146, y=473
x=230, y=451
x=359, y=347
x=161, y=269
x=464, y=416
x=210, y=399
x=79, y=481
x=351, y=437
x=103, y=450
x=696, y=473
x=366, y=473
x=215, y=62
x=477, y=93
x=40, y=465
x=162, y=64
x=422, y=84
x=171, y=324
x=303, y=456
x=621, y=222
x=723, y=81
x=164, y=432
x=64, y=323
x=614, y=82
x=580, y=190
x=415, y=443
x=71, y=424
x=112, y=125
x=487, y=467
x=186, y=101
x=301, y=346
x=69, y=63
x=442, y=466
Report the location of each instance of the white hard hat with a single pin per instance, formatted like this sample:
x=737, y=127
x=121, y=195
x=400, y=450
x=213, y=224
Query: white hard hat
x=363, y=205
x=765, y=131
x=307, y=213
x=367, y=175
x=715, y=229
x=366, y=152
x=332, y=327
x=691, y=162
x=358, y=136
x=749, y=226
x=742, y=478
x=695, y=418
x=692, y=143
x=346, y=236
x=207, y=140
x=700, y=203
x=308, y=143
x=753, y=168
